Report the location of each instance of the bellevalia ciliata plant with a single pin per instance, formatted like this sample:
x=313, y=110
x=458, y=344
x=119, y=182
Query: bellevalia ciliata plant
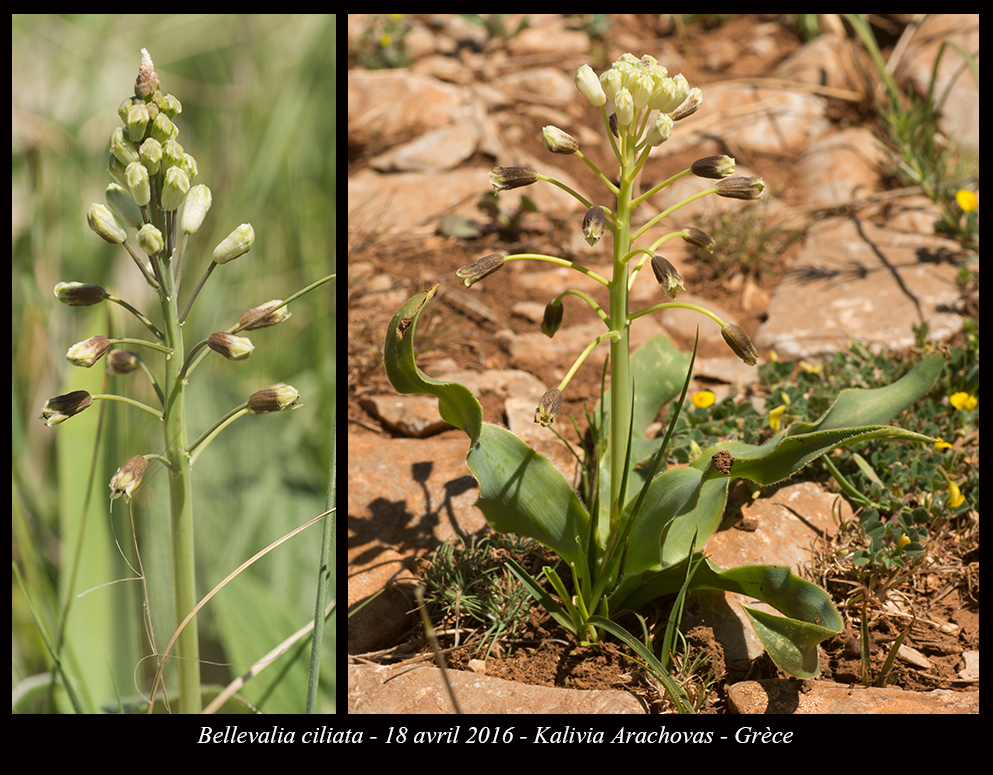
x=153, y=195
x=642, y=533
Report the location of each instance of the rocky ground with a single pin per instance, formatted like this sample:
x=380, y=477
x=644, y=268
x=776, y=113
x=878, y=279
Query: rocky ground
x=851, y=254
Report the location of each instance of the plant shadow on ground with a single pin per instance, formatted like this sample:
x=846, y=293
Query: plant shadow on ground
x=463, y=329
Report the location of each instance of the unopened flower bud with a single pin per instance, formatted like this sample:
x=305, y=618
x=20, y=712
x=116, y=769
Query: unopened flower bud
x=506, y=178
x=275, y=399
x=119, y=200
x=558, y=141
x=624, y=107
x=690, y=105
x=234, y=348
x=61, y=408
x=150, y=239
x=477, y=270
x=589, y=85
x=101, y=220
x=138, y=183
x=593, y=225
x=169, y=105
x=700, y=239
x=122, y=361
x=151, y=155
x=548, y=407
x=147, y=82
x=739, y=343
x=128, y=477
x=741, y=188
x=659, y=131
x=197, y=204
x=137, y=122
x=174, y=188
x=79, y=294
x=237, y=243
x=715, y=167
x=88, y=352
x=122, y=148
x=670, y=280
x=553, y=318
x=267, y=318
x=163, y=129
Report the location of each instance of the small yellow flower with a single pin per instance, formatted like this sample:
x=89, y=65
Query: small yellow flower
x=955, y=496
x=967, y=200
x=942, y=444
x=775, y=416
x=904, y=540
x=964, y=401
x=703, y=399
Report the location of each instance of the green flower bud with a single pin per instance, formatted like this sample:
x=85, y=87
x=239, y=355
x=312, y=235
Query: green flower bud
x=101, y=220
x=128, y=477
x=117, y=170
x=548, y=407
x=589, y=85
x=119, y=200
x=197, y=204
x=150, y=239
x=122, y=148
x=147, y=82
x=593, y=225
x=174, y=188
x=267, y=318
x=138, y=183
x=122, y=361
x=740, y=343
x=137, y=122
x=275, y=399
x=163, y=129
x=659, y=131
x=190, y=166
x=668, y=277
x=553, y=318
x=234, y=348
x=713, y=167
x=79, y=294
x=172, y=154
x=88, y=352
x=61, y=408
x=477, y=270
x=624, y=107
x=741, y=188
x=506, y=178
x=169, y=105
x=237, y=243
x=151, y=155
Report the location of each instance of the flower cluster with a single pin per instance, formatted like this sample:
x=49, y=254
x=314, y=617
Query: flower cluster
x=152, y=181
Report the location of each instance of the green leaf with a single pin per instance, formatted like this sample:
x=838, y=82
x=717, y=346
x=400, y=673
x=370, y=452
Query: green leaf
x=520, y=491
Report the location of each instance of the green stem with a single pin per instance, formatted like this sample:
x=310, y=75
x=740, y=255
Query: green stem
x=181, y=499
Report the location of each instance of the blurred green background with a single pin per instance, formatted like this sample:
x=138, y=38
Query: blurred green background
x=258, y=96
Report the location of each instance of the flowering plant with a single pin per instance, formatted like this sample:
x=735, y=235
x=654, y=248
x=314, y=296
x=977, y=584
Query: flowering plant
x=641, y=533
x=153, y=196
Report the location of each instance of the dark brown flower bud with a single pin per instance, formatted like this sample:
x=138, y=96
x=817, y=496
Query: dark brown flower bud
x=739, y=343
x=477, y=270
x=123, y=361
x=593, y=224
x=741, y=188
x=506, y=178
x=670, y=280
x=700, y=239
x=234, y=348
x=61, y=408
x=79, y=294
x=274, y=399
x=127, y=477
x=716, y=167
x=88, y=352
x=553, y=318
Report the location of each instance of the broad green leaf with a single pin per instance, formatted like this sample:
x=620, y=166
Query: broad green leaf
x=520, y=491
